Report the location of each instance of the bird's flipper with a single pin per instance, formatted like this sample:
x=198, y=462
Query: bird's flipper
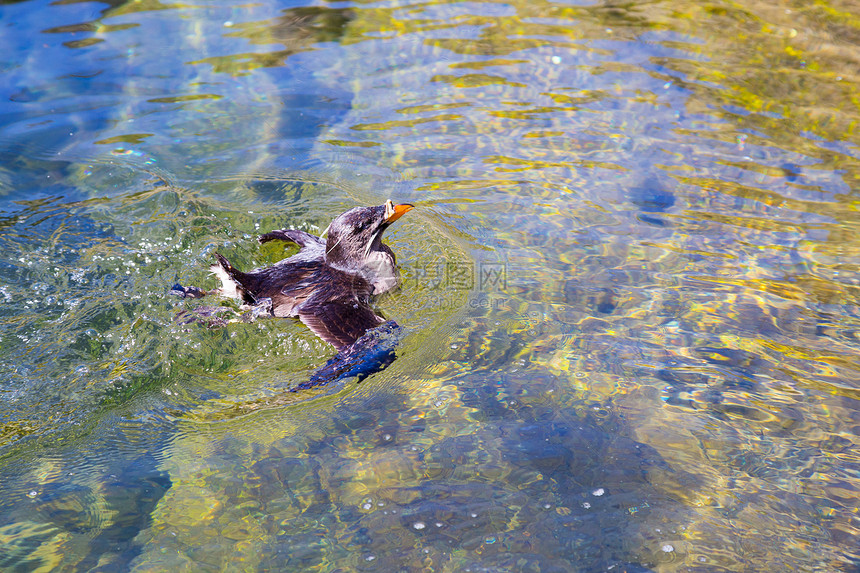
x=339, y=323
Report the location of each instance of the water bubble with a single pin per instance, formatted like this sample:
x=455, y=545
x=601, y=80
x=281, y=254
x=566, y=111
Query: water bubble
x=367, y=506
x=586, y=505
x=419, y=525
x=370, y=558
x=33, y=493
x=598, y=492
x=387, y=437
x=556, y=60
x=667, y=548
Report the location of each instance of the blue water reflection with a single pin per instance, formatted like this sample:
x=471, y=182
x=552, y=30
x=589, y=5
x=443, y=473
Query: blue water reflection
x=628, y=317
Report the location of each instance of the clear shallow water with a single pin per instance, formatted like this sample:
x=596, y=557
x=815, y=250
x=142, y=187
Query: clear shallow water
x=630, y=286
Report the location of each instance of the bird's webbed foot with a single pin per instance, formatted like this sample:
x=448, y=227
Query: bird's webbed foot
x=187, y=292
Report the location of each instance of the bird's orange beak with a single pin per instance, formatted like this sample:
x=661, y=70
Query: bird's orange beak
x=394, y=212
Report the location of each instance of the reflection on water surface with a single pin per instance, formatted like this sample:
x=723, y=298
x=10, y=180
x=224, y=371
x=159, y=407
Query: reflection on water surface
x=630, y=286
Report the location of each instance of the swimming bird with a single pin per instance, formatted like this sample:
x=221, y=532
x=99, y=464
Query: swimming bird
x=328, y=284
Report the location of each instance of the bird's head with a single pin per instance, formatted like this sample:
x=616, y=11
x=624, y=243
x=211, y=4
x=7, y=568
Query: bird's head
x=354, y=235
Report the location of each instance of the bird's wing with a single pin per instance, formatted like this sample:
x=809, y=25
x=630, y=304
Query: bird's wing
x=300, y=238
x=312, y=248
x=288, y=285
x=339, y=322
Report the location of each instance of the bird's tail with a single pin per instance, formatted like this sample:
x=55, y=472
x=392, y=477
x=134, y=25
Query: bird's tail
x=232, y=283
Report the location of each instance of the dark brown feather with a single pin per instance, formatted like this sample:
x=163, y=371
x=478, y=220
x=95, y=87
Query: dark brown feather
x=328, y=284
x=339, y=323
x=334, y=304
